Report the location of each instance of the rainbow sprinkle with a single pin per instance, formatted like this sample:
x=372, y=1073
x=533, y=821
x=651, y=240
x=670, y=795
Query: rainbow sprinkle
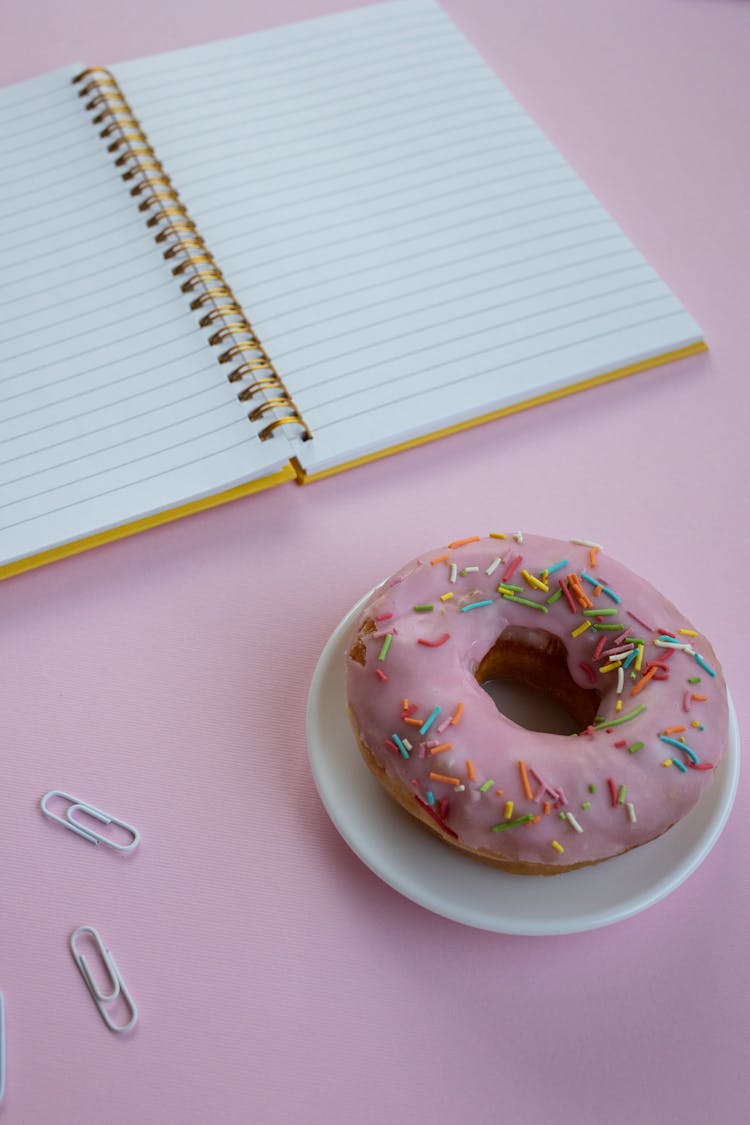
x=606, y=723
x=401, y=747
x=681, y=746
x=429, y=720
x=525, y=601
x=462, y=542
x=433, y=644
x=703, y=664
x=513, y=823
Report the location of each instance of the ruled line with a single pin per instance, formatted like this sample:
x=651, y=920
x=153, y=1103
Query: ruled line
x=261, y=323
x=139, y=314
x=405, y=192
x=260, y=264
x=33, y=140
x=247, y=201
x=242, y=272
x=397, y=94
x=70, y=228
x=473, y=312
x=131, y=484
x=28, y=99
x=390, y=132
x=133, y=436
x=124, y=464
x=85, y=189
x=163, y=284
x=108, y=406
x=466, y=377
x=76, y=177
x=409, y=205
x=137, y=374
x=263, y=60
x=99, y=347
x=451, y=299
x=332, y=167
x=78, y=261
x=44, y=153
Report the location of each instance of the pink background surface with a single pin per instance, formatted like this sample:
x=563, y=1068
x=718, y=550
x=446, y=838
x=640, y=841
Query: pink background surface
x=165, y=678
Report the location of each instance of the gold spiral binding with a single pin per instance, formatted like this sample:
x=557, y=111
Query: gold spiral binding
x=260, y=384
x=200, y=277
x=144, y=166
x=184, y=244
x=176, y=234
x=248, y=367
x=237, y=349
x=193, y=260
x=167, y=212
x=178, y=227
x=210, y=294
x=156, y=197
x=109, y=129
x=148, y=182
x=123, y=139
x=218, y=312
x=226, y=332
x=133, y=152
x=266, y=405
x=294, y=419
x=108, y=111
x=113, y=101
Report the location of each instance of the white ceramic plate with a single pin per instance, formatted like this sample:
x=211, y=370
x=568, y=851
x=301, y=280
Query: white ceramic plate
x=418, y=865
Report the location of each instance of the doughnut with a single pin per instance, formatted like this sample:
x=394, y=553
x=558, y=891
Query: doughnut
x=644, y=690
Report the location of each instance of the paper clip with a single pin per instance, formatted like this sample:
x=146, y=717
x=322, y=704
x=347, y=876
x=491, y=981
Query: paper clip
x=2, y=1047
x=118, y=984
x=69, y=821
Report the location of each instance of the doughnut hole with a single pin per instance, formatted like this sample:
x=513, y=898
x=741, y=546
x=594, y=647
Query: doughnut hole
x=526, y=674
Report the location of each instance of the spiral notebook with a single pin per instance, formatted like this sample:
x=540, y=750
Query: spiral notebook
x=275, y=257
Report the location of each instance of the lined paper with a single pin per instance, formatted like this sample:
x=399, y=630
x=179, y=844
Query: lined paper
x=411, y=249
x=112, y=405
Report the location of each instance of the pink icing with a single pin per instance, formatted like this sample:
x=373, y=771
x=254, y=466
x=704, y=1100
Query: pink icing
x=560, y=770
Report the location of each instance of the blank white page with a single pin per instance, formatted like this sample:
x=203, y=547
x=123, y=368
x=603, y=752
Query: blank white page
x=411, y=249
x=112, y=404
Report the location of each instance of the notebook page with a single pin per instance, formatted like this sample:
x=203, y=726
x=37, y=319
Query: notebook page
x=410, y=248
x=112, y=405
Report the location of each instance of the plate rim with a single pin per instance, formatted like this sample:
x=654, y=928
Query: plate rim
x=596, y=918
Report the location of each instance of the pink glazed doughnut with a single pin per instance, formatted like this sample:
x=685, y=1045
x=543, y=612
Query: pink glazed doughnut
x=642, y=684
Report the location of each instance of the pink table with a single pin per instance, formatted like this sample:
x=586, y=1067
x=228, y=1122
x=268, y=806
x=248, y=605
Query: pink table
x=165, y=678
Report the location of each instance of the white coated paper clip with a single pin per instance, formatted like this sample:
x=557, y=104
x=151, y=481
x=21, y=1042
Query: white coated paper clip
x=88, y=832
x=118, y=985
x=2, y=1047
